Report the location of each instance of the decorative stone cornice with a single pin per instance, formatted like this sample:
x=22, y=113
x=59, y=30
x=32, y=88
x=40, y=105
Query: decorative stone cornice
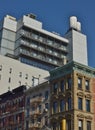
x=89, y=117
x=88, y=96
x=81, y=94
x=69, y=68
x=80, y=115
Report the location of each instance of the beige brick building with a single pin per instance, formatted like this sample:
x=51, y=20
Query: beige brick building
x=71, y=99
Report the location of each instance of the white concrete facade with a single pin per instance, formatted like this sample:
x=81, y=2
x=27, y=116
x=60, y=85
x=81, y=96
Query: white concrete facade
x=13, y=73
x=77, y=47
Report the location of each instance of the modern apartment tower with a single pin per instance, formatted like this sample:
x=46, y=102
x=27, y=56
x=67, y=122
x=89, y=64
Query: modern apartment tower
x=28, y=42
x=7, y=35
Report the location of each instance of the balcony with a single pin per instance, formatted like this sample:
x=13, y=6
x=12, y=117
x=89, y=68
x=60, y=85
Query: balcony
x=36, y=100
x=44, y=41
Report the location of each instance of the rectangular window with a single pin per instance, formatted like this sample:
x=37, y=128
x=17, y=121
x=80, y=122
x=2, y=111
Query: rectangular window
x=80, y=103
x=40, y=108
x=46, y=106
x=80, y=83
x=87, y=85
x=55, y=107
x=87, y=105
x=9, y=80
x=46, y=95
x=46, y=120
x=28, y=101
x=55, y=87
x=27, y=114
x=10, y=71
x=27, y=125
x=54, y=126
x=80, y=125
x=68, y=125
x=20, y=74
x=88, y=125
x=69, y=81
x=62, y=86
x=62, y=105
x=69, y=103
x=0, y=67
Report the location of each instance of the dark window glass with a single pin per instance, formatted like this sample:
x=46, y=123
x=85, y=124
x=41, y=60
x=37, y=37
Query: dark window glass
x=87, y=84
x=62, y=105
x=55, y=87
x=69, y=103
x=80, y=103
x=68, y=125
x=69, y=83
x=55, y=107
x=88, y=125
x=46, y=120
x=40, y=107
x=80, y=125
x=46, y=106
x=46, y=95
x=54, y=126
x=88, y=105
x=27, y=125
x=9, y=80
x=80, y=83
x=62, y=86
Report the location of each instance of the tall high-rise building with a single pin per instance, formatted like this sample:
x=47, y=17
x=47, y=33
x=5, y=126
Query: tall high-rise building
x=27, y=41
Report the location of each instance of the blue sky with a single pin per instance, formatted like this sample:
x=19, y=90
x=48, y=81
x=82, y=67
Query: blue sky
x=55, y=16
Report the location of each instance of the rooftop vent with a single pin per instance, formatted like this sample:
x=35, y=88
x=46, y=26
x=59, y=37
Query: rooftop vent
x=31, y=16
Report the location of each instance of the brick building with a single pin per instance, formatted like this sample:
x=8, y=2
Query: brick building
x=72, y=97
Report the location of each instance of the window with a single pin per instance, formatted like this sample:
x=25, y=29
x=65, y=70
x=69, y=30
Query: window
x=62, y=105
x=46, y=106
x=87, y=105
x=19, y=83
x=46, y=95
x=80, y=83
x=0, y=67
x=55, y=107
x=27, y=114
x=62, y=86
x=26, y=77
x=28, y=101
x=88, y=125
x=54, y=126
x=40, y=108
x=80, y=125
x=9, y=80
x=46, y=120
x=69, y=81
x=39, y=119
x=55, y=87
x=68, y=125
x=20, y=74
x=10, y=70
x=69, y=103
x=87, y=84
x=27, y=125
x=80, y=103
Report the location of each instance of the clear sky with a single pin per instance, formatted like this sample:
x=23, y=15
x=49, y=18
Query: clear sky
x=55, y=16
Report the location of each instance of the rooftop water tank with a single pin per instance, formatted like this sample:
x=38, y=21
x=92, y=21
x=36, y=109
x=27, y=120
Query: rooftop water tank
x=73, y=22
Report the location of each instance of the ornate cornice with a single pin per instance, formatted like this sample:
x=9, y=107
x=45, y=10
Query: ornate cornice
x=69, y=68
